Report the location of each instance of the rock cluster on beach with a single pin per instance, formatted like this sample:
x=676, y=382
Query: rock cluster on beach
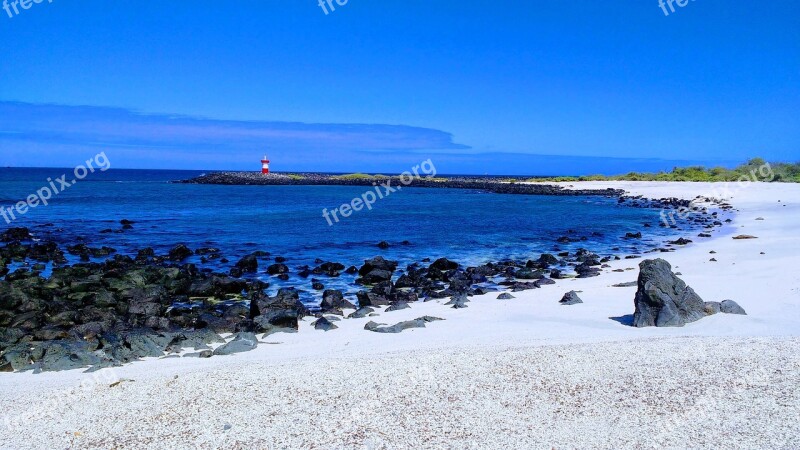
x=664, y=300
x=124, y=308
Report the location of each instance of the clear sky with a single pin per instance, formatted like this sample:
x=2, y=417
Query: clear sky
x=479, y=86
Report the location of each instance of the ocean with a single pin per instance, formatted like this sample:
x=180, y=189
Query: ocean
x=470, y=227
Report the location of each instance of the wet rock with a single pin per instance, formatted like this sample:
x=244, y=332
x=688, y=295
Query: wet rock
x=663, y=299
x=546, y=260
x=383, y=245
x=278, y=269
x=16, y=234
x=248, y=264
x=377, y=263
x=529, y=274
x=444, y=265
x=375, y=276
x=179, y=253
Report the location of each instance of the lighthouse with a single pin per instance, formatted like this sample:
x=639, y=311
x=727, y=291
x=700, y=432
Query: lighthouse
x=265, y=165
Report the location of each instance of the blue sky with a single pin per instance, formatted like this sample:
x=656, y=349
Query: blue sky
x=517, y=87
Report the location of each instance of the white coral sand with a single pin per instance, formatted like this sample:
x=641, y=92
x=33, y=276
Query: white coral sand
x=521, y=373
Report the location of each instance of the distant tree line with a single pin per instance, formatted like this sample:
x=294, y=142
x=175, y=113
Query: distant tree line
x=756, y=169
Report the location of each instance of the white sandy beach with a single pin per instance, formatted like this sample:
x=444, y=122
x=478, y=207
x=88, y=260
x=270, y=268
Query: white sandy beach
x=521, y=373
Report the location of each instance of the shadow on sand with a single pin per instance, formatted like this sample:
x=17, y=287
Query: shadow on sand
x=626, y=320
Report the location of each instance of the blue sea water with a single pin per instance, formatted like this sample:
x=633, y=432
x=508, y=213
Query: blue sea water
x=468, y=226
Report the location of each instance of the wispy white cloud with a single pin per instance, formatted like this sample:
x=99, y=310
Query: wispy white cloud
x=157, y=140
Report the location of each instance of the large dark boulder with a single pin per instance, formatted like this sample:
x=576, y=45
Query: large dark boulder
x=663, y=299
x=377, y=263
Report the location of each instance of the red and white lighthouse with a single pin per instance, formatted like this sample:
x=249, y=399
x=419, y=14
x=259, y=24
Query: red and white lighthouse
x=265, y=165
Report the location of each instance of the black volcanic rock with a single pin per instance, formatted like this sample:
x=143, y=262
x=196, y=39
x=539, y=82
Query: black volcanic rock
x=179, y=253
x=248, y=264
x=444, y=265
x=334, y=299
x=570, y=298
x=277, y=269
x=663, y=299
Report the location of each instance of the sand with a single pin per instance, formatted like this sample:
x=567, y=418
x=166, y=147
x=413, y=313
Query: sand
x=521, y=373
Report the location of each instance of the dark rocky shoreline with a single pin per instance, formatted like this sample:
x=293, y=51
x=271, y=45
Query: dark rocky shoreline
x=127, y=307
x=487, y=184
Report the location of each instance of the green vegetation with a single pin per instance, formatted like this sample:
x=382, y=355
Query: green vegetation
x=295, y=176
x=755, y=169
x=358, y=176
